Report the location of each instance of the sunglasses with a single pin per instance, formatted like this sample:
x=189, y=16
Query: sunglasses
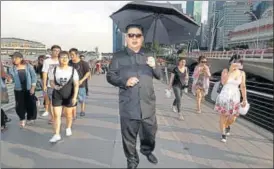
x=131, y=35
x=203, y=61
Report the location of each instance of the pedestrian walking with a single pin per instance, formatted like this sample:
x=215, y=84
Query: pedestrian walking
x=64, y=80
x=82, y=68
x=24, y=77
x=200, y=83
x=179, y=81
x=48, y=65
x=228, y=101
x=132, y=70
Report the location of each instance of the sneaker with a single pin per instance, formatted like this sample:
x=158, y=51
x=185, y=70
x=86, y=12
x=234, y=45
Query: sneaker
x=174, y=109
x=227, y=131
x=82, y=114
x=68, y=132
x=45, y=114
x=223, y=138
x=30, y=122
x=55, y=138
x=181, y=117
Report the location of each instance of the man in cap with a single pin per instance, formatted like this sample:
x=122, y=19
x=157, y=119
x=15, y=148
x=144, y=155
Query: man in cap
x=132, y=70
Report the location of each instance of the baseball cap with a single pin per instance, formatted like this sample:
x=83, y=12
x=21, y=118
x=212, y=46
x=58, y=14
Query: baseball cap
x=17, y=54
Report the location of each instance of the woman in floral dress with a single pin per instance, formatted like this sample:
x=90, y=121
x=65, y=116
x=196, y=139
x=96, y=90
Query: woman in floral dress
x=228, y=102
x=200, y=83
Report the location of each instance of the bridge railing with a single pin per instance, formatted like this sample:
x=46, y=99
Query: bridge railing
x=260, y=99
x=249, y=54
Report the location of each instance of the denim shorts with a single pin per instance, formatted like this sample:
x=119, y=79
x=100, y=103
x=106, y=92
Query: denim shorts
x=49, y=93
x=82, y=94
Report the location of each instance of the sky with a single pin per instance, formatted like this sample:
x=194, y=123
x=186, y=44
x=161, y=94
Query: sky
x=80, y=24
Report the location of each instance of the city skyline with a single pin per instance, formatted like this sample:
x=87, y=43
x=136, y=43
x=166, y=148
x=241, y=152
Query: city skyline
x=87, y=23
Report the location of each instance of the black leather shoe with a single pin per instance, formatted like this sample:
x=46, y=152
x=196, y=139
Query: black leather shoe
x=131, y=165
x=151, y=158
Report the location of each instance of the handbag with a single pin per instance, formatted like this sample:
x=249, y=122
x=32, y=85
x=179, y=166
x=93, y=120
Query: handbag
x=243, y=110
x=220, y=87
x=167, y=93
x=4, y=93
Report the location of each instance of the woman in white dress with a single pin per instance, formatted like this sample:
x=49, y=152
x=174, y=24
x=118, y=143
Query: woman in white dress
x=229, y=100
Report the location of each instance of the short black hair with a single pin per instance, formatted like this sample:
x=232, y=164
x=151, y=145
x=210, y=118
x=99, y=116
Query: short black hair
x=75, y=50
x=201, y=58
x=62, y=53
x=135, y=26
x=181, y=58
x=54, y=47
x=236, y=58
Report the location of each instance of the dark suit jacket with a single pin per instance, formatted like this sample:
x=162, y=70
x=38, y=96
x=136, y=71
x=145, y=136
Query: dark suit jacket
x=137, y=102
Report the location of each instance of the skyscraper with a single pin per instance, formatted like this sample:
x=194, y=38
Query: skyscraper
x=228, y=18
x=117, y=40
x=190, y=8
x=198, y=11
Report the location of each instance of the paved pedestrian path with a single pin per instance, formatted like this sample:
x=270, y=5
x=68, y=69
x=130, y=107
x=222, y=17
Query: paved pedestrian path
x=96, y=140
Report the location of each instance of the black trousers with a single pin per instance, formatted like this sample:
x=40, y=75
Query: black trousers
x=3, y=118
x=147, y=130
x=178, y=92
x=25, y=103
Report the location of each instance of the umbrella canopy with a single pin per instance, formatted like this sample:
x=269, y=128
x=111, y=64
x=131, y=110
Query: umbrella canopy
x=162, y=23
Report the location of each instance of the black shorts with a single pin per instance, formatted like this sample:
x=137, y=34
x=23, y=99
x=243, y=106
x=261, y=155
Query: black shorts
x=59, y=100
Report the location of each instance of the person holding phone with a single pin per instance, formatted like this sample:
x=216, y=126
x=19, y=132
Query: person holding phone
x=228, y=101
x=200, y=83
x=64, y=80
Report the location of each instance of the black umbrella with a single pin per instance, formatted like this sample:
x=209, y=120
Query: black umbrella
x=162, y=23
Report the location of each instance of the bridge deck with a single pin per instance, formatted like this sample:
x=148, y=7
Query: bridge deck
x=96, y=140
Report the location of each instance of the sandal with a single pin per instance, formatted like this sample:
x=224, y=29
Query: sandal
x=22, y=124
x=50, y=122
x=3, y=128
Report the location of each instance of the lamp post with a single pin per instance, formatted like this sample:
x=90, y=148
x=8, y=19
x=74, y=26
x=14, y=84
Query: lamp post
x=214, y=28
x=258, y=26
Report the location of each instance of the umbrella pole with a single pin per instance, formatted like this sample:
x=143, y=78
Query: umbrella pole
x=154, y=33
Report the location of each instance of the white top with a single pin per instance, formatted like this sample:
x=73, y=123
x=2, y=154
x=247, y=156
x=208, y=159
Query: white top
x=63, y=75
x=48, y=66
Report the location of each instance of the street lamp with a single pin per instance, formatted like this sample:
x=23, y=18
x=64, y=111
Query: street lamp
x=258, y=26
x=214, y=29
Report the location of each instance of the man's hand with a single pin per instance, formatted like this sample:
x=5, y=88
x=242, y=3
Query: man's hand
x=132, y=81
x=32, y=90
x=45, y=88
x=151, y=61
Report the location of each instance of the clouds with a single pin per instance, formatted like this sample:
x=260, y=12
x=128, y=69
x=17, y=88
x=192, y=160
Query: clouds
x=70, y=24
x=81, y=24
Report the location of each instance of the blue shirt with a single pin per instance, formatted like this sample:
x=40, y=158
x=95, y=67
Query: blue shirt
x=30, y=77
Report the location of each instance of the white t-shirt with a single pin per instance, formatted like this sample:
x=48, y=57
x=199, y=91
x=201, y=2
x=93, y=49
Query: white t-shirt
x=63, y=75
x=48, y=66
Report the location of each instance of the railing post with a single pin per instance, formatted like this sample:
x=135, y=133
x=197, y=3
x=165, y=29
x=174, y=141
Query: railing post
x=166, y=73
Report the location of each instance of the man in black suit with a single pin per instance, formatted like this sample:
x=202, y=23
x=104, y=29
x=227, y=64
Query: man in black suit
x=132, y=70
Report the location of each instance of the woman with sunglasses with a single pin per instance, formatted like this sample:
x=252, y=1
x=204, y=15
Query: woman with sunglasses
x=228, y=101
x=64, y=79
x=178, y=81
x=200, y=83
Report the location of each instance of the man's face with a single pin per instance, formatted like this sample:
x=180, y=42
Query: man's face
x=73, y=56
x=55, y=52
x=134, y=38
